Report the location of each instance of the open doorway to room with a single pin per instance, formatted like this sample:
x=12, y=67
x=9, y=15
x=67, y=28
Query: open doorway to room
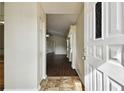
x=1, y=46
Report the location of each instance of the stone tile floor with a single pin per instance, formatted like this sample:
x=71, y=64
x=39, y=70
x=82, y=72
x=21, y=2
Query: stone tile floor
x=62, y=83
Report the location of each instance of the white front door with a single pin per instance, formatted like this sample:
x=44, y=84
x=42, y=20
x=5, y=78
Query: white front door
x=104, y=46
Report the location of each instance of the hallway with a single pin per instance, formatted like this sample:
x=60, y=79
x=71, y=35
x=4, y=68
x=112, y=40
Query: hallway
x=59, y=65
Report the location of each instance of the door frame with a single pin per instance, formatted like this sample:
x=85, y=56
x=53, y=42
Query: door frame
x=42, y=46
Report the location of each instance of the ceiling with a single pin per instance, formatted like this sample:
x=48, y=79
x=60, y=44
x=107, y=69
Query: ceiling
x=59, y=23
x=62, y=7
x=60, y=16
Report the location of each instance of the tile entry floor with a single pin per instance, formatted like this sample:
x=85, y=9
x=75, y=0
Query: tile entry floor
x=61, y=83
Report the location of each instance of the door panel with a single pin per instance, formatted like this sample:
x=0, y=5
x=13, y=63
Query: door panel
x=105, y=54
x=90, y=77
x=98, y=53
x=90, y=50
x=115, y=18
x=99, y=80
x=113, y=85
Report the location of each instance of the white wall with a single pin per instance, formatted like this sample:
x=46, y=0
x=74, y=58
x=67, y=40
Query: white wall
x=60, y=45
x=1, y=39
x=21, y=46
x=56, y=44
x=80, y=45
x=50, y=44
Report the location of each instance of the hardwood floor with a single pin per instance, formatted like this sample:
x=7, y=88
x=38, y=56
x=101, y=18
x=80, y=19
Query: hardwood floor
x=59, y=65
x=1, y=76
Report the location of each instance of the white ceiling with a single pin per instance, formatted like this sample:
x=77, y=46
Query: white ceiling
x=59, y=23
x=60, y=16
x=61, y=7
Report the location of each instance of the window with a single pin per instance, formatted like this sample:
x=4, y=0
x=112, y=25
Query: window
x=98, y=8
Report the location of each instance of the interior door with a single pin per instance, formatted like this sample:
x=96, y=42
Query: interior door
x=104, y=46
